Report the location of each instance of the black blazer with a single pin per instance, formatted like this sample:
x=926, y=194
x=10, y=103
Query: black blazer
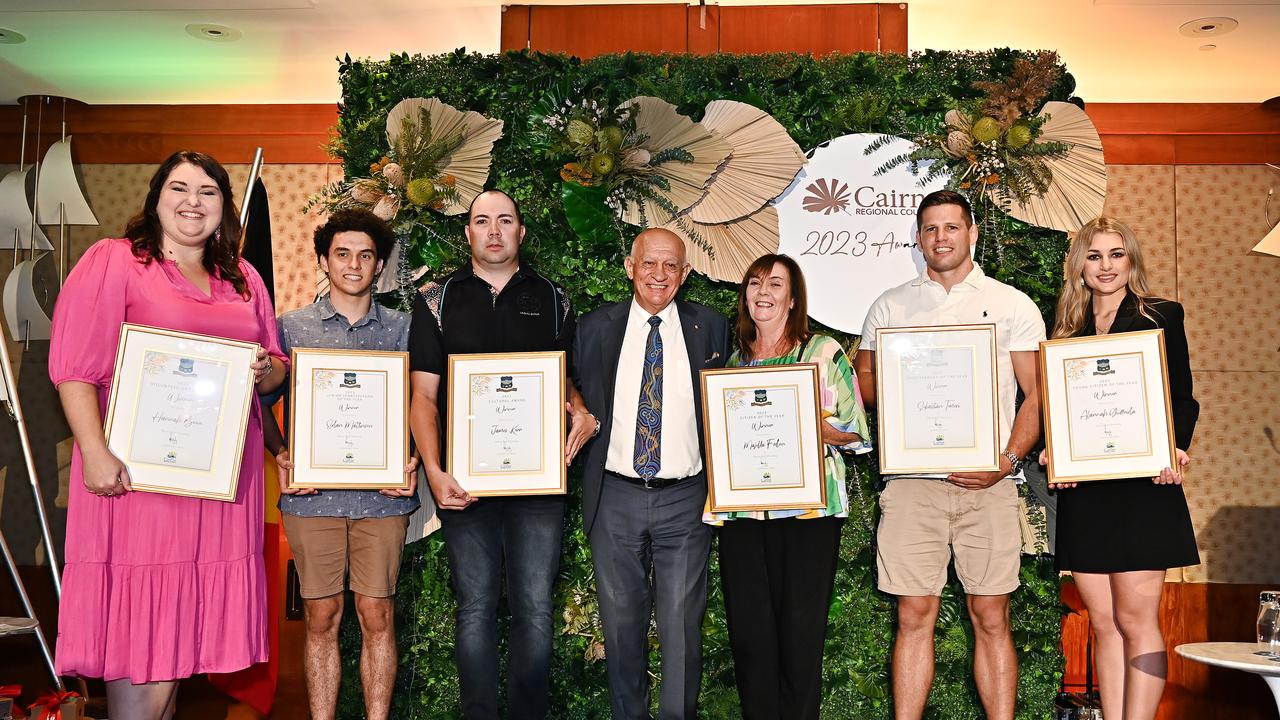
x=1168, y=315
x=597, y=345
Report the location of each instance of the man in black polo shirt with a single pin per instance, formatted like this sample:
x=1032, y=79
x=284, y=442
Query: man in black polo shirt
x=494, y=304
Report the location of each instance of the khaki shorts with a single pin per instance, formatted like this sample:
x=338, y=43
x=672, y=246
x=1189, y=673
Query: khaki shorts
x=923, y=522
x=325, y=547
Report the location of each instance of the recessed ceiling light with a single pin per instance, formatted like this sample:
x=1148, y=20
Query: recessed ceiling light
x=214, y=33
x=1208, y=27
x=11, y=37
x=1208, y=48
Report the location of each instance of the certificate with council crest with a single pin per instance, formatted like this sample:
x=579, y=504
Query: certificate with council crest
x=178, y=410
x=1106, y=406
x=937, y=399
x=349, y=419
x=506, y=423
x=763, y=438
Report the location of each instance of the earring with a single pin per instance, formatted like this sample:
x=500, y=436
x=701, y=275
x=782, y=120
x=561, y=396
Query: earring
x=217, y=234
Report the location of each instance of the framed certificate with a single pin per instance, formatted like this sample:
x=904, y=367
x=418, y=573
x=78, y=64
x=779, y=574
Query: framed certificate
x=763, y=438
x=506, y=429
x=936, y=399
x=1106, y=406
x=178, y=410
x=349, y=419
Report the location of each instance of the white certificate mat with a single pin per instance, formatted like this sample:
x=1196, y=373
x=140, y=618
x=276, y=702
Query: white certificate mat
x=506, y=423
x=1106, y=405
x=764, y=438
x=936, y=399
x=178, y=410
x=349, y=419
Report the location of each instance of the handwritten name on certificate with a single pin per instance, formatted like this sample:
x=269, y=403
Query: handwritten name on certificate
x=348, y=409
x=1107, y=406
x=763, y=428
x=506, y=423
x=178, y=412
x=938, y=395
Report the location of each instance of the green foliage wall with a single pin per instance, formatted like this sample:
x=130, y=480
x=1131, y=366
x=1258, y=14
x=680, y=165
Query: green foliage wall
x=816, y=100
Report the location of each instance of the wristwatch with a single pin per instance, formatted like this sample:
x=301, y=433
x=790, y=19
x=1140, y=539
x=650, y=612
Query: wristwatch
x=597, y=430
x=1015, y=462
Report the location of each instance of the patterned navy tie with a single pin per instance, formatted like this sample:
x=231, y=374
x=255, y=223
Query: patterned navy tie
x=648, y=454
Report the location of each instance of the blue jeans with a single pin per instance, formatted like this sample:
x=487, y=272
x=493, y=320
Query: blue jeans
x=521, y=536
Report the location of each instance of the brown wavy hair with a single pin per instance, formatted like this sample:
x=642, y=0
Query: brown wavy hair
x=1076, y=299
x=221, y=254
x=797, y=327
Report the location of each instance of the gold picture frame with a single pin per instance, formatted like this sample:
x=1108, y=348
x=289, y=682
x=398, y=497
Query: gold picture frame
x=1094, y=423
x=903, y=434
x=519, y=400
x=359, y=442
x=739, y=423
x=178, y=410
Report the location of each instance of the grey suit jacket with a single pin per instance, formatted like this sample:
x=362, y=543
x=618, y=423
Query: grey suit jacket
x=596, y=349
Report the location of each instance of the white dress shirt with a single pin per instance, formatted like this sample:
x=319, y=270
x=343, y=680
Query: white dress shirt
x=678, y=436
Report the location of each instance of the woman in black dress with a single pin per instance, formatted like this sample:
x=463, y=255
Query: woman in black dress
x=1117, y=537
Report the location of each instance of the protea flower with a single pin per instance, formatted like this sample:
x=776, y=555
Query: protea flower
x=957, y=120
x=387, y=207
x=366, y=191
x=958, y=143
x=394, y=174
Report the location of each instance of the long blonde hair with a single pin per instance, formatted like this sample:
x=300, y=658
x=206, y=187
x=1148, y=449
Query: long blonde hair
x=1076, y=298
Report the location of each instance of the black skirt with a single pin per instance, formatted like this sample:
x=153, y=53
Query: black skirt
x=1109, y=526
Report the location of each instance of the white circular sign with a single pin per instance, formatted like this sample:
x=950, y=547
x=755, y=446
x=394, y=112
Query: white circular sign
x=853, y=232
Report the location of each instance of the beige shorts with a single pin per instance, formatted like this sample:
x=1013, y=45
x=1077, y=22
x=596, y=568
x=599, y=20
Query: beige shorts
x=923, y=522
x=326, y=547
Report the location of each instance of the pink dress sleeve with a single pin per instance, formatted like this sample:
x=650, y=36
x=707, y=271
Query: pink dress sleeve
x=268, y=329
x=88, y=314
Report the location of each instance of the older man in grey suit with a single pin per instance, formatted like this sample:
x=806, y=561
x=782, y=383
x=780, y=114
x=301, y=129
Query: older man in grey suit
x=637, y=363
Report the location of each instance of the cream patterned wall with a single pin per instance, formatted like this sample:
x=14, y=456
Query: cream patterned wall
x=1197, y=224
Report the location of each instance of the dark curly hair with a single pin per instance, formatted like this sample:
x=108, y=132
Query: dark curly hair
x=356, y=220
x=221, y=250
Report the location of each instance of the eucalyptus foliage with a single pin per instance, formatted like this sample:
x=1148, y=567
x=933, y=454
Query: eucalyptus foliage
x=816, y=99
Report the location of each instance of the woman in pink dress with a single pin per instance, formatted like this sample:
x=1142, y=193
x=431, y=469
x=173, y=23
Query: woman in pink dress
x=160, y=587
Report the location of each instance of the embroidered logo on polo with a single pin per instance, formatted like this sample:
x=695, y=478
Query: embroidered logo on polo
x=527, y=304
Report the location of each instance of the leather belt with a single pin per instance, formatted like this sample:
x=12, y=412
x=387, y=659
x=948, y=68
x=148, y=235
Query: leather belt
x=652, y=484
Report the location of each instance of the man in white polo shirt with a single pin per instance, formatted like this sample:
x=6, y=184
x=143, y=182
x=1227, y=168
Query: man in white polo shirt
x=925, y=521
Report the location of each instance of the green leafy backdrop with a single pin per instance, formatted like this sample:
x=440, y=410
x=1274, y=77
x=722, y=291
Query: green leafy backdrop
x=816, y=99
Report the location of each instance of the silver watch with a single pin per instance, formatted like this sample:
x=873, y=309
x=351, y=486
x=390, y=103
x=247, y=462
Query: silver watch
x=1015, y=462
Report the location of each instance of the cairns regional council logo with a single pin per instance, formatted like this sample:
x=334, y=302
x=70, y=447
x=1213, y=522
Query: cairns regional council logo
x=506, y=384
x=826, y=196
x=761, y=399
x=1104, y=367
x=939, y=440
x=186, y=366
x=1110, y=446
x=171, y=457
x=349, y=381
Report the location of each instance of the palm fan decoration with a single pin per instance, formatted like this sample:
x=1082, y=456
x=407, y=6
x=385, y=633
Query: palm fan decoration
x=1078, y=184
x=441, y=138
x=737, y=243
x=762, y=165
x=682, y=156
